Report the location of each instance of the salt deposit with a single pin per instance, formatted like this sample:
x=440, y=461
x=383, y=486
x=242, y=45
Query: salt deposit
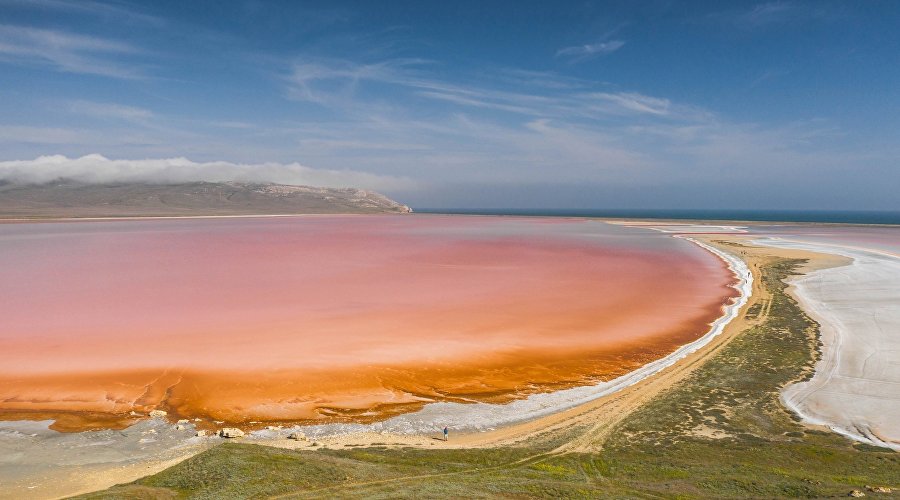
x=856, y=388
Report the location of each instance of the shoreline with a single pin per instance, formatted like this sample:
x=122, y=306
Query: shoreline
x=668, y=220
x=607, y=409
x=514, y=429
x=20, y=220
x=539, y=405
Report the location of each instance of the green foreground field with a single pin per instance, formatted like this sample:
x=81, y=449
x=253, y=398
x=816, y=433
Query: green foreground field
x=721, y=433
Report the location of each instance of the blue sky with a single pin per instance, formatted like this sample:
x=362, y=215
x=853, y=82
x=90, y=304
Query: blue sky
x=658, y=104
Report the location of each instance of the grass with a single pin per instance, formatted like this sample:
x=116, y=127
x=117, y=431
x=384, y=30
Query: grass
x=664, y=449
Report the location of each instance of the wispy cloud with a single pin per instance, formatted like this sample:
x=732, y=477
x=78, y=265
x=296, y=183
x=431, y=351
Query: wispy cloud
x=545, y=79
x=774, y=13
x=504, y=125
x=229, y=124
x=463, y=100
x=768, y=12
x=634, y=102
x=66, y=52
x=579, y=53
x=338, y=145
x=111, y=110
x=343, y=85
x=361, y=102
x=96, y=168
x=318, y=81
x=410, y=119
x=121, y=12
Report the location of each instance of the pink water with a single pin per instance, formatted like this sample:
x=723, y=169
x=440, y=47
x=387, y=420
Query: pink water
x=333, y=317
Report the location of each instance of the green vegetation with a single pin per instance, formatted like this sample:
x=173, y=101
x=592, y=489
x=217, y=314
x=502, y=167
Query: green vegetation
x=721, y=433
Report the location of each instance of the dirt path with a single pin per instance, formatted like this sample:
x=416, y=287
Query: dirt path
x=318, y=492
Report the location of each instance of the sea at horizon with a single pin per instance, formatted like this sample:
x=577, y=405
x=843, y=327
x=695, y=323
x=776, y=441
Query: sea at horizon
x=876, y=217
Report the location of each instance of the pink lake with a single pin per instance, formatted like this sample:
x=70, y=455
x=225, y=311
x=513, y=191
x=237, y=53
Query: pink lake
x=332, y=318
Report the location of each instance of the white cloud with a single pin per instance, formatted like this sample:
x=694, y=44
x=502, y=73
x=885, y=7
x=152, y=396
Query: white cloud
x=582, y=52
x=65, y=51
x=95, y=168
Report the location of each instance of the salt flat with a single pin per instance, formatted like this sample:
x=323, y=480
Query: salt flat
x=856, y=388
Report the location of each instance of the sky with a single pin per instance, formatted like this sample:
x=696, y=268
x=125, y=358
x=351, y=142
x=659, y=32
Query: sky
x=465, y=104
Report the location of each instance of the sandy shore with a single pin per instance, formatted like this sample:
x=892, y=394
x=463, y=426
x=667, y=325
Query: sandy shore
x=856, y=388
x=37, y=462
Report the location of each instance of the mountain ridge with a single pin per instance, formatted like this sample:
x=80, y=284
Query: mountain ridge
x=66, y=198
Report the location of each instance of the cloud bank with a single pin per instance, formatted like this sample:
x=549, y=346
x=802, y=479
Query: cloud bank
x=97, y=169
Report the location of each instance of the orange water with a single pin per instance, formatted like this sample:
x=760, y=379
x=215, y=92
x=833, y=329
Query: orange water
x=332, y=318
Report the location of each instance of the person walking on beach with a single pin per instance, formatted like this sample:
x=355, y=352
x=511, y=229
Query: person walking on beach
x=446, y=433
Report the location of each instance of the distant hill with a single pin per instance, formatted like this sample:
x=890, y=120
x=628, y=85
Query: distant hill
x=74, y=199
